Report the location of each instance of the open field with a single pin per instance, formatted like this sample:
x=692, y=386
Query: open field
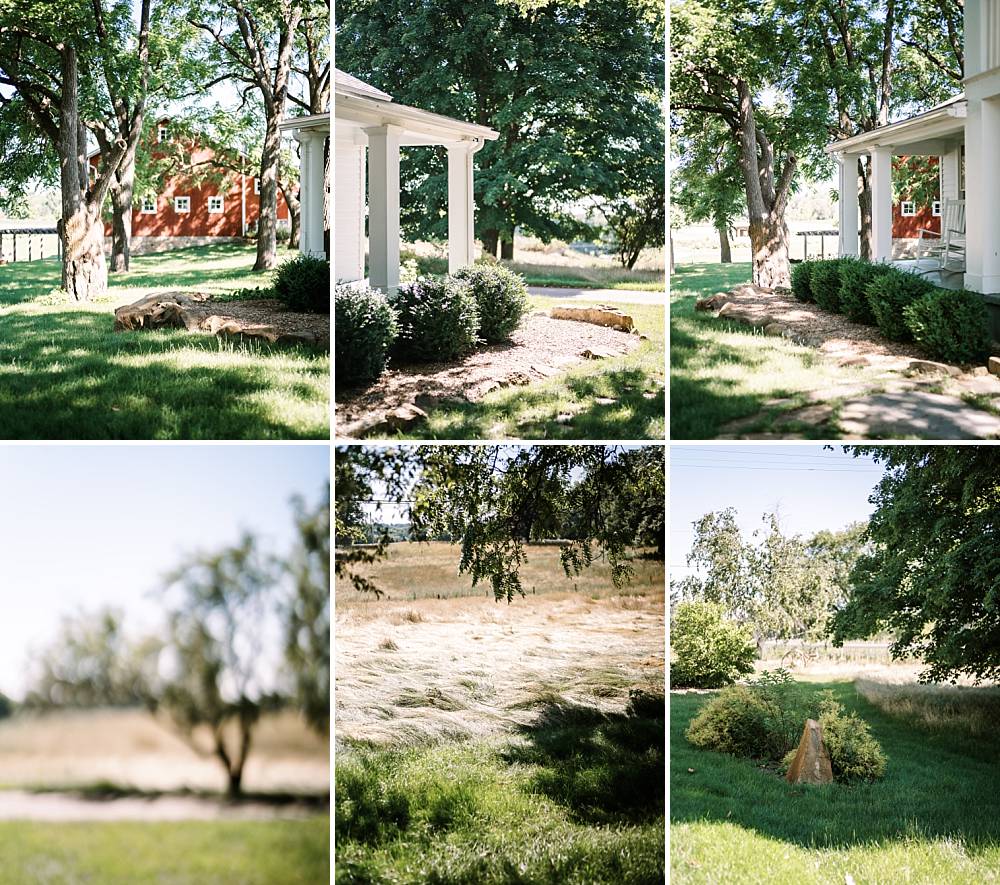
x=128, y=748
x=699, y=243
x=486, y=742
x=934, y=818
x=65, y=374
x=181, y=853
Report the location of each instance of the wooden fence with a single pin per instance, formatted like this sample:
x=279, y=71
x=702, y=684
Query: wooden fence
x=28, y=243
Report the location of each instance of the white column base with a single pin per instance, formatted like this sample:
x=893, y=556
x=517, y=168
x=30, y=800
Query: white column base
x=848, y=204
x=383, y=207
x=881, y=204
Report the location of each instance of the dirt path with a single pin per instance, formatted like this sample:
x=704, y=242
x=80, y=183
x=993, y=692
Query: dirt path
x=63, y=807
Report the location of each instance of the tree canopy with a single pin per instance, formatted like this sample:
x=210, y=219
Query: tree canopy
x=932, y=576
x=574, y=89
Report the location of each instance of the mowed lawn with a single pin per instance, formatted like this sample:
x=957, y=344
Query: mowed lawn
x=934, y=818
x=722, y=371
x=635, y=382
x=181, y=853
x=65, y=374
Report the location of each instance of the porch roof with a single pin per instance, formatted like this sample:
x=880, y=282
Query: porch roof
x=363, y=108
x=320, y=122
x=929, y=132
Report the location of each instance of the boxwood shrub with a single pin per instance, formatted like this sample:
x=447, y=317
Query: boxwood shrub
x=438, y=320
x=952, y=325
x=888, y=295
x=365, y=330
x=501, y=296
x=801, y=274
x=824, y=283
x=707, y=650
x=854, y=279
x=303, y=283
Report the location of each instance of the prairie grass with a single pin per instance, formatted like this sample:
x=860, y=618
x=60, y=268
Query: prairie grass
x=497, y=743
x=934, y=818
x=972, y=710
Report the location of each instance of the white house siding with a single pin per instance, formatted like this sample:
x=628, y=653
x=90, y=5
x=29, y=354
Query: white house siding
x=349, y=179
x=949, y=175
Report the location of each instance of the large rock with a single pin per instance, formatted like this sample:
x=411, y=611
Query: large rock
x=993, y=366
x=171, y=310
x=601, y=315
x=812, y=760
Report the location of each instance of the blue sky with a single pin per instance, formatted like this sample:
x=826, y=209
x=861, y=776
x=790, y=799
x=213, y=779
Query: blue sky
x=84, y=526
x=810, y=488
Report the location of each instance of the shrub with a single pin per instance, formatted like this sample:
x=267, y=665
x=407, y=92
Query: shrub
x=282, y=234
x=303, y=283
x=739, y=721
x=801, y=274
x=438, y=320
x=952, y=325
x=365, y=330
x=501, y=296
x=824, y=283
x=854, y=754
x=409, y=271
x=854, y=279
x=888, y=295
x=708, y=651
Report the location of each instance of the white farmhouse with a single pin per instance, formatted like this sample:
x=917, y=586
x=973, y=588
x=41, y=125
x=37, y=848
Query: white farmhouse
x=369, y=132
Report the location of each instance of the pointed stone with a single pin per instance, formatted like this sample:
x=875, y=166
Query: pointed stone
x=812, y=761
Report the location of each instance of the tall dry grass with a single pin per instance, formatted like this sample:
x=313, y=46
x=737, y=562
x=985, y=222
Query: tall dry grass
x=972, y=710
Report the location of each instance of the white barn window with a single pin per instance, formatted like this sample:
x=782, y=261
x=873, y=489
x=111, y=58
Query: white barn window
x=182, y=204
x=149, y=205
x=161, y=133
x=936, y=208
x=215, y=205
x=908, y=208
x=256, y=185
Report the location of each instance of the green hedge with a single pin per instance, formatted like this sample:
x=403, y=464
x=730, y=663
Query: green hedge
x=303, y=284
x=501, y=297
x=438, y=320
x=952, y=325
x=855, y=277
x=824, y=283
x=888, y=296
x=366, y=327
x=801, y=274
x=708, y=651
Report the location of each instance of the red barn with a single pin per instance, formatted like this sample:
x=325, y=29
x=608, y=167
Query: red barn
x=192, y=210
x=909, y=218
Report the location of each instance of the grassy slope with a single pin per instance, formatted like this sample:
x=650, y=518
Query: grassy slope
x=65, y=374
x=723, y=371
x=530, y=412
x=195, y=852
x=576, y=798
x=935, y=817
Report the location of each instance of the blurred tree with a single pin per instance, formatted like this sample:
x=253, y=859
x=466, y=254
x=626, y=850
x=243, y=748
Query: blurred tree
x=6, y=706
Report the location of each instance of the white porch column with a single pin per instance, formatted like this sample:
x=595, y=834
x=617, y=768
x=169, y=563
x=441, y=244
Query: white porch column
x=881, y=203
x=461, y=205
x=848, y=203
x=982, y=198
x=317, y=188
x=383, y=207
x=304, y=139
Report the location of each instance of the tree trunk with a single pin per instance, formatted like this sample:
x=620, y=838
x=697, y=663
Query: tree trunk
x=507, y=249
x=769, y=244
x=267, y=218
x=122, y=191
x=724, y=247
x=490, y=240
x=294, y=212
x=235, y=789
x=84, y=271
x=671, y=251
x=865, y=202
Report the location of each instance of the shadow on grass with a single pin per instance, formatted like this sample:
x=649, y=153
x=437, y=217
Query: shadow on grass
x=68, y=375
x=604, y=768
x=942, y=785
x=108, y=791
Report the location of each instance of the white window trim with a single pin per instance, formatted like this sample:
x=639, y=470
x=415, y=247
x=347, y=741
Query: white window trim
x=222, y=205
x=144, y=210
x=936, y=209
x=162, y=133
x=178, y=209
x=256, y=186
x=907, y=213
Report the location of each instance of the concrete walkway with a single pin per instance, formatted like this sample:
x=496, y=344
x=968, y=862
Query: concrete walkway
x=600, y=296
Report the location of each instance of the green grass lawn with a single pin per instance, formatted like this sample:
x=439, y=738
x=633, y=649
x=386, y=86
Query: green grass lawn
x=65, y=374
x=721, y=371
x=576, y=799
x=934, y=818
x=181, y=853
x=530, y=412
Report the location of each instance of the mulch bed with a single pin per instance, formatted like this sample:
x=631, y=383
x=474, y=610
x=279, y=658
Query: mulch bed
x=541, y=348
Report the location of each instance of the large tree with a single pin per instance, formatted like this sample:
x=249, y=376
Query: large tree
x=568, y=85
x=933, y=575
x=43, y=47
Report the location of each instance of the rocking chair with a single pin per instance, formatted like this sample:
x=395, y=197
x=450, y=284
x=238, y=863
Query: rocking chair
x=948, y=250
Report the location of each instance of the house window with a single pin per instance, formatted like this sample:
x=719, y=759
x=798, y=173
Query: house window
x=182, y=204
x=215, y=205
x=936, y=208
x=908, y=208
x=256, y=185
x=161, y=133
x=149, y=205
